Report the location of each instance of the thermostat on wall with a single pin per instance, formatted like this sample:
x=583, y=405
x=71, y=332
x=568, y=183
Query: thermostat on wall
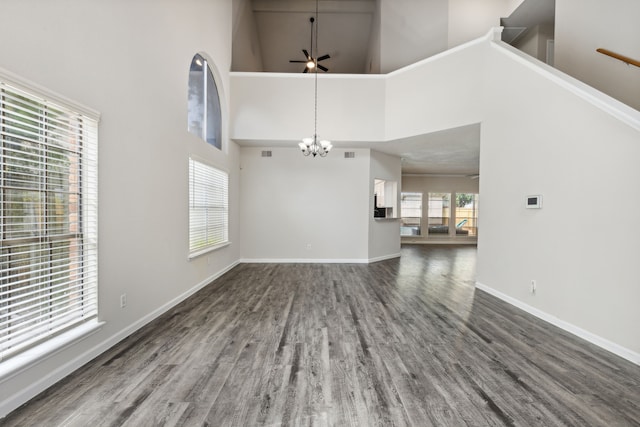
x=534, y=202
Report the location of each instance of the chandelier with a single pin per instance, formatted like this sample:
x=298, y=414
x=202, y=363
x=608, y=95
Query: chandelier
x=311, y=145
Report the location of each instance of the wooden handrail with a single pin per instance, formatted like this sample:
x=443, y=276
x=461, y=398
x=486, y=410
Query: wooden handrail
x=618, y=56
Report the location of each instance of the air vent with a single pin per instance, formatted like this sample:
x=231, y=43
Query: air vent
x=266, y=153
x=349, y=154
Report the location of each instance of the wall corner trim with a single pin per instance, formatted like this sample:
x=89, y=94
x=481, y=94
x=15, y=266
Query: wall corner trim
x=603, y=343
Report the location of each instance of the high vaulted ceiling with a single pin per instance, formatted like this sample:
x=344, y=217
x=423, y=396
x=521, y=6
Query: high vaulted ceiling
x=270, y=33
x=344, y=32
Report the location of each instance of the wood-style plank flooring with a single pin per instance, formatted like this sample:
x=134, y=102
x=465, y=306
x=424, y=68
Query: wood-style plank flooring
x=402, y=342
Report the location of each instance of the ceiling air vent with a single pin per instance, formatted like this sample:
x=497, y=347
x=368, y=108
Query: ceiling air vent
x=349, y=154
x=266, y=153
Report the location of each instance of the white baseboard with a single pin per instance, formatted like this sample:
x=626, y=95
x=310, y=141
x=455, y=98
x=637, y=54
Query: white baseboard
x=384, y=257
x=438, y=242
x=317, y=261
x=56, y=375
x=610, y=346
x=302, y=261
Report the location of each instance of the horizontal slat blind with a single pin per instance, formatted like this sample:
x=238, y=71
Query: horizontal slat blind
x=48, y=218
x=208, y=206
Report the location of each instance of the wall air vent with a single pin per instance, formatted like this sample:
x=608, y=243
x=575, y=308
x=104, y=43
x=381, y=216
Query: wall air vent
x=349, y=154
x=266, y=153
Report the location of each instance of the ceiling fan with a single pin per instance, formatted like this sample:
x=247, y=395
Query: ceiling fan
x=311, y=62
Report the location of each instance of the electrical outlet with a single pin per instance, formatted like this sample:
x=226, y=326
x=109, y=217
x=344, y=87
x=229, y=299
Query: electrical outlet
x=308, y=246
x=123, y=300
x=533, y=287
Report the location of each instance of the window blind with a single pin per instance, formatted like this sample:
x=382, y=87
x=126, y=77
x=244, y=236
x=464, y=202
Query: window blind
x=208, y=207
x=48, y=217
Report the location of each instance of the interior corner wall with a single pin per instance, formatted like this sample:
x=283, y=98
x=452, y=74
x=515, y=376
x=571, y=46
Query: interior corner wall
x=511, y=6
x=246, y=51
x=534, y=41
x=384, y=234
x=304, y=209
x=578, y=246
x=436, y=184
x=349, y=107
x=582, y=27
x=372, y=64
x=130, y=62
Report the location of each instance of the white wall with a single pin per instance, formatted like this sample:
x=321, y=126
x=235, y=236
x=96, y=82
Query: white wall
x=534, y=41
x=372, y=62
x=130, y=62
x=575, y=154
x=384, y=234
x=441, y=92
x=436, y=184
x=470, y=19
x=280, y=107
x=582, y=27
x=297, y=208
x=411, y=30
x=247, y=54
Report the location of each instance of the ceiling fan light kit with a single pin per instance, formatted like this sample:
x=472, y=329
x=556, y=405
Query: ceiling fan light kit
x=311, y=145
x=310, y=61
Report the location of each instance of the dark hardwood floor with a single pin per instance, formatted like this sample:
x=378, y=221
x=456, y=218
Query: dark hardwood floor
x=402, y=342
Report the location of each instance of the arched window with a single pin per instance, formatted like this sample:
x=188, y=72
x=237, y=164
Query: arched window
x=205, y=117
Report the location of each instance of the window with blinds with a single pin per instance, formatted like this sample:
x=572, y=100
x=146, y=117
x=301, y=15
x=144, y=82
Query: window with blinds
x=208, y=208
x=48, y=217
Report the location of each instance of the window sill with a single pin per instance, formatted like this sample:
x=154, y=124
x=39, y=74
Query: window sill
x=207, y=250
x=23, y=361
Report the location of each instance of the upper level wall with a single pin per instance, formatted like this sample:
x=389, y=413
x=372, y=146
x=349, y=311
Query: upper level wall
x=280, y=107
x=411, y=31
x=582, y=27
x=438, y=93
x=246, y=51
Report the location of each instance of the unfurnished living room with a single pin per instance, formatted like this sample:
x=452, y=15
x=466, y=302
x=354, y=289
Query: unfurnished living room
x=314, y=212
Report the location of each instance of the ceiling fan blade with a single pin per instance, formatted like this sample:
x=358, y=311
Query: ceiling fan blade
x=305, y=70
x=301, y=62
x=306, y=54
x=323, y=68
x=323, y=57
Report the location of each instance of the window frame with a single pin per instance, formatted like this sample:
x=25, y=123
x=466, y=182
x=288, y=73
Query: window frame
x=403, y=216
x=204, y=108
